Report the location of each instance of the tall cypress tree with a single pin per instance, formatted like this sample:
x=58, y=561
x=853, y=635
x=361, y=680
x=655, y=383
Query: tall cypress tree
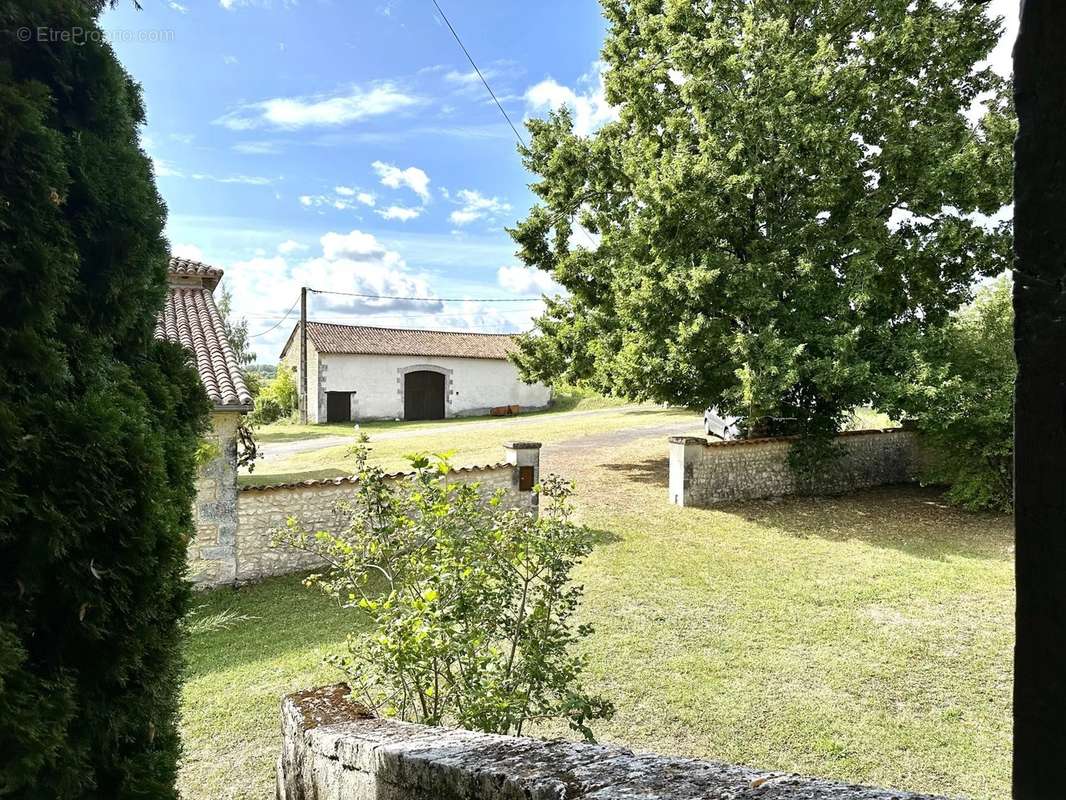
x=98, y=426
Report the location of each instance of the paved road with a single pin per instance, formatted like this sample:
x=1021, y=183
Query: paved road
x=273, y=451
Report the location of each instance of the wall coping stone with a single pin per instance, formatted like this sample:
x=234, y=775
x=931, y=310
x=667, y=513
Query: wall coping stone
x=346, y=480
x=710, y=442
x=333, y=747
x=523, y=445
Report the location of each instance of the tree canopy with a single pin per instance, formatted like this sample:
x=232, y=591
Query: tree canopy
x=99, y=424
x=785, y=203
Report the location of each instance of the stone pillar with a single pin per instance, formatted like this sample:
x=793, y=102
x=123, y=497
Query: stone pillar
x=684, y=450
x=525, y=458
x=213, y=552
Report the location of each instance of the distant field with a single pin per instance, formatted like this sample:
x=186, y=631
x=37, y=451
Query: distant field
x=571, y=400
x=469, y=441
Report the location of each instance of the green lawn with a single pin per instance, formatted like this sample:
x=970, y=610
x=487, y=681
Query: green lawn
x=865, y=638
x=470, y=443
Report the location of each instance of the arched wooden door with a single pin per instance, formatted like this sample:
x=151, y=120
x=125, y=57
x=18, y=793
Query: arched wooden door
x=423, y=395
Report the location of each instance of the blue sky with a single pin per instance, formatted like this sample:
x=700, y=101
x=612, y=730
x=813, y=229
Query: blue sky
x=349, y=146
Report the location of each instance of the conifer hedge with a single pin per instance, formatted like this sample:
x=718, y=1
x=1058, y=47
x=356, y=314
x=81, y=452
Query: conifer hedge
x=98, y=426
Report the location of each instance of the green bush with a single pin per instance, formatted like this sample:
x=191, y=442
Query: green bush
x=962, y=399
x=471, y=605
x=278, y=399
x=99, y=425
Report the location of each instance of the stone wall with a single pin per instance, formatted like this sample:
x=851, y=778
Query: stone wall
x=332, y=748
x=707, y=472
x=263, y=509
x=212, y=552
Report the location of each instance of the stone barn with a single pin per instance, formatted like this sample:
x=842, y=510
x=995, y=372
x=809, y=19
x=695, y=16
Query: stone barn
x=191, y=318
x=362, y=373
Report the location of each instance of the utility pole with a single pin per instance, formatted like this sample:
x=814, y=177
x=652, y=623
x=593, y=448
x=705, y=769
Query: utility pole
x=303, y=355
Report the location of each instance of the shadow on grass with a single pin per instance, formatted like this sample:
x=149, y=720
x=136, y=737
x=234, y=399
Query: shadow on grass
x=652, y=471
x=912, y=519
x=285, y=616
x=603, y=537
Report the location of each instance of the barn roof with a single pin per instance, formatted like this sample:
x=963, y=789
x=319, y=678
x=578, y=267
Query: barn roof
x=191, y=318
x=364, y=340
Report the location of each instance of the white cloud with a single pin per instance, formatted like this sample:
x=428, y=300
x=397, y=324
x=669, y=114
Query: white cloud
x=230, y=5
x=290, y=246
x=354, y=244
x=401, y=213
x=413, y=178
x=258, y=148
x=229, y=60
x=164, y=168
x=522, y=280
x=248, y=180
x=465, y=78
x=341, y=108
x=589, y=107
x=475, y=206
x=265, y=286
x=342, y=199
x=189, y=251
x=178, y=7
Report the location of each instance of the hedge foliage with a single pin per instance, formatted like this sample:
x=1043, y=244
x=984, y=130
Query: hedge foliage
x=961, y=395
x=98, y=427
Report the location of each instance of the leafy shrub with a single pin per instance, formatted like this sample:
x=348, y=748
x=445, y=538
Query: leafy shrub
x=278, y=399
x=962, y=399
x=470, y=604
x=99, y=425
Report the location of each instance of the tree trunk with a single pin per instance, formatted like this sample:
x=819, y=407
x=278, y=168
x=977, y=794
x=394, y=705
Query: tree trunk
x=1040, y=404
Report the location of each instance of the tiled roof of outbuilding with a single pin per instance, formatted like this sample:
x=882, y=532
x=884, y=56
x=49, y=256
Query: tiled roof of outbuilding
x=191, y=318
x=363, y=340
x=186, y=267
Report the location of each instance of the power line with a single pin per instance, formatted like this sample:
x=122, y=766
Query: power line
x=492, y=94
x=430, y=299
x=385, y=315
x=268, y=330
x=478, y=71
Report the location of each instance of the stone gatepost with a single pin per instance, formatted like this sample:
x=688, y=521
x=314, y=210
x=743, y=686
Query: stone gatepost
x=525, y=458
x=684, y=451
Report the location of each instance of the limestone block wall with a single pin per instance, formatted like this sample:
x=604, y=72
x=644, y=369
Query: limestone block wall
x=212, y=552
x=707, y=472
x=263, y=509
x=333, y=748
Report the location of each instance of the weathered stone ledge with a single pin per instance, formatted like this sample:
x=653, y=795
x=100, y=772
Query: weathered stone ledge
x=760, y=440
x=348, y=480
x=332, y=748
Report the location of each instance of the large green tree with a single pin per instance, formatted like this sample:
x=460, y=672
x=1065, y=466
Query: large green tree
x=98, y=425
x=784, y=204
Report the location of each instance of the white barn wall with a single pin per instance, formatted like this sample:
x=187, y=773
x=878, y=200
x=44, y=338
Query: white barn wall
x=472, y=385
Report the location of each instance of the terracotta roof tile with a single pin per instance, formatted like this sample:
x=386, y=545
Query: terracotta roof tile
x=362, y=340
x=190, y=318
x=185, y=267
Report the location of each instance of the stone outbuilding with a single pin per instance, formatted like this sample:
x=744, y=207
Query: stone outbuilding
x=191, y=318
x=357, y=372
